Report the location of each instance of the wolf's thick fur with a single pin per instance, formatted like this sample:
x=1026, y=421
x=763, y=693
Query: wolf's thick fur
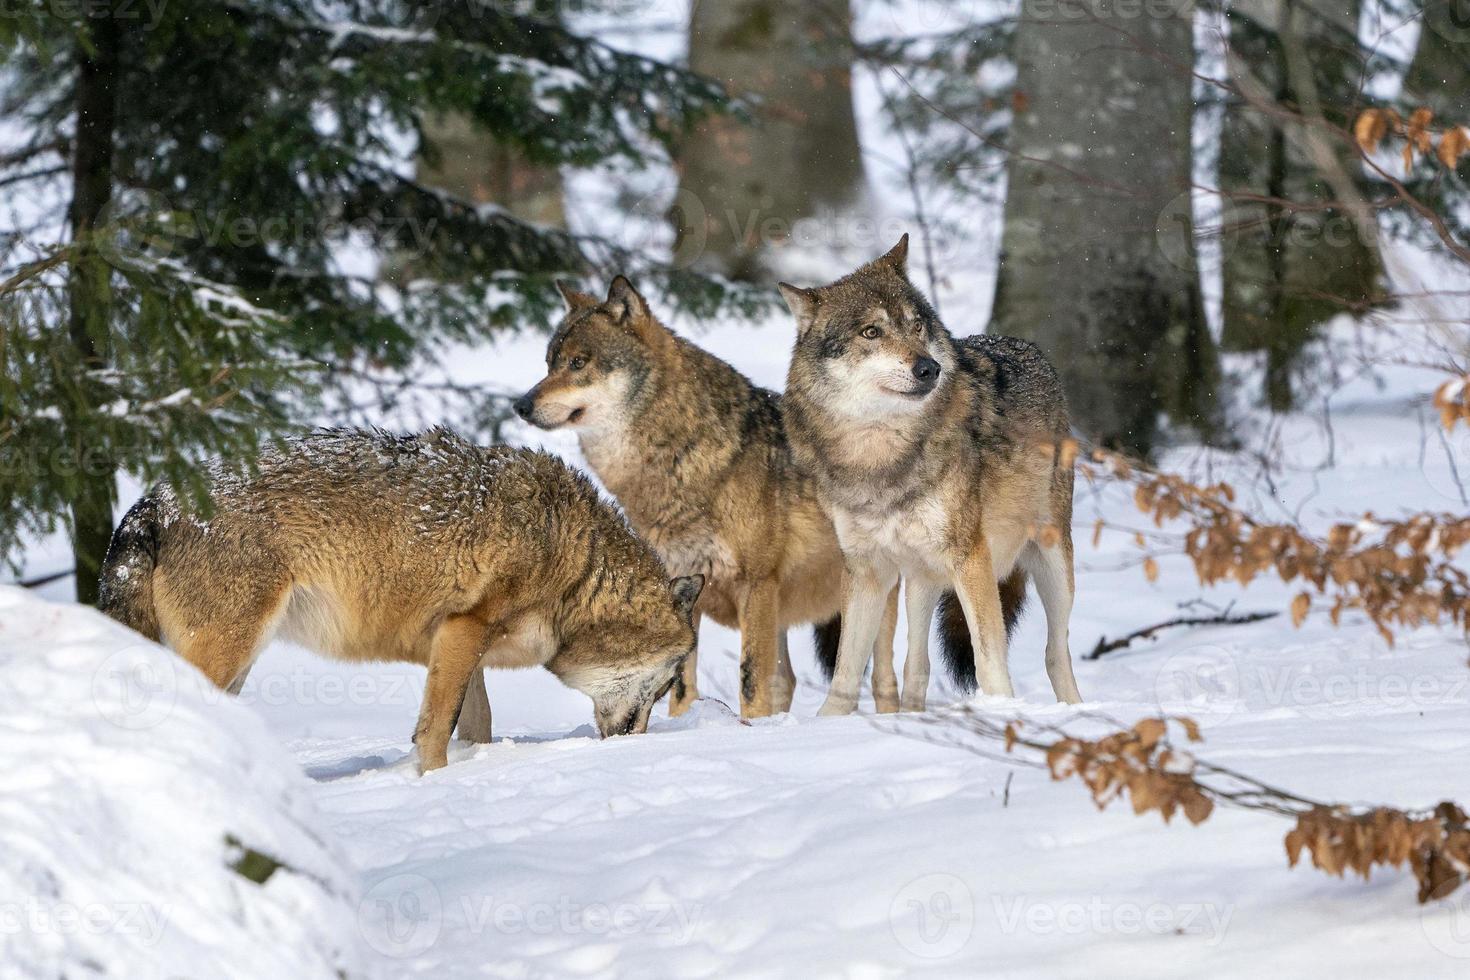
x=367, y=546
x=697, y=456
x=938, y=460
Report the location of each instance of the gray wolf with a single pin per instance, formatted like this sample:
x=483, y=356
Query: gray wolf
x=697, y=457
x=366, y=546
x=941, y=461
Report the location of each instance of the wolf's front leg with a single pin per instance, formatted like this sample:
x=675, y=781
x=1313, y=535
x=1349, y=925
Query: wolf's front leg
x=456, y=651
x=758, y=643
x=474, y=714
x=866, y=600
x=885, y=681
x=979, y=594
x=686, y=684
x=921, y=598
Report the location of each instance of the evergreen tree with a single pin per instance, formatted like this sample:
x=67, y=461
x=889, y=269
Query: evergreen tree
x=216, y=201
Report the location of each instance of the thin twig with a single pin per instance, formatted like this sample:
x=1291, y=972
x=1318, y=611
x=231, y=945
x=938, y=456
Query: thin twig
x=1105, y=645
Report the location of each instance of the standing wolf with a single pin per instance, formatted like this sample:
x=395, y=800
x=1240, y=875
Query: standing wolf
x=366, y=546
x=697, y=456
x=939, y=461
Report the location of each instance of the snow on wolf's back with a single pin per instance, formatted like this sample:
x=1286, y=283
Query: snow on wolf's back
x=372, y=522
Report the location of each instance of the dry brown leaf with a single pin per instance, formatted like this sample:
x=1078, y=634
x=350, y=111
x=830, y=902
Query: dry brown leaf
x=1453, y=144
x=1299, y=608
x=1149, y=731
x=1370, y=128
x=1150, y=569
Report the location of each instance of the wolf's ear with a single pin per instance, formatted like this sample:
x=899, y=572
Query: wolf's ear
x=626, y=302
x=573, y=297
x=686, y=590
x=897, y=257
x=801, y=302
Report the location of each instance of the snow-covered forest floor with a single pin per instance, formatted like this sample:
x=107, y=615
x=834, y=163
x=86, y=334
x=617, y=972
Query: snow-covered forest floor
x=870, y=845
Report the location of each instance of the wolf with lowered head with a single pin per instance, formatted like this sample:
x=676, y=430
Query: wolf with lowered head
x=697, y=457
x=941, y=461
x=365, y=546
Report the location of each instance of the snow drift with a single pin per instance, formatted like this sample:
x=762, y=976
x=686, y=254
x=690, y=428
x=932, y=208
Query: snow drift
x=150, y=825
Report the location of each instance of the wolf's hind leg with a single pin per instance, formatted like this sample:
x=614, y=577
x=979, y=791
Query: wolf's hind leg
x=920, y=599
x=686, y=685
x=474, y=713
x=979, y=596
x=758, y=642
x=1051, y=569
x=455, y=654
x=866, y=592
x=783, y=685
x=885, y=681
x=238, y=684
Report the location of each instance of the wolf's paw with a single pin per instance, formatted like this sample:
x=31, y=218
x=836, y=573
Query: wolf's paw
x=912, y=704
x=430, y=761
x=834, y=707
x=886, y=702
x=680, y=706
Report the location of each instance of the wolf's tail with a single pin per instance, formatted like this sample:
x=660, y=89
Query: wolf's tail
x=827, y=636
x=954, y=633
x=125, y=591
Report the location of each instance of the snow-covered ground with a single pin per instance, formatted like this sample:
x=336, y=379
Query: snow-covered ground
x=862, y=847
x=870, y=846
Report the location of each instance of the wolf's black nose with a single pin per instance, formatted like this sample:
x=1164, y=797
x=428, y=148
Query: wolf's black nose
x=524, y=407
x=926, y=369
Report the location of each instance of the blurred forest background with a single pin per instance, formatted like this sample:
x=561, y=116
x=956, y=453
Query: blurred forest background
x=224, y=220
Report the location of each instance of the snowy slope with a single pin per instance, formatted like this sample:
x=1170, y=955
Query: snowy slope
x=125, y=783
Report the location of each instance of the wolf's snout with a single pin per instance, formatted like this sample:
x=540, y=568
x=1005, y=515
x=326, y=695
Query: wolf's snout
x=926, y=369
x=524, y=406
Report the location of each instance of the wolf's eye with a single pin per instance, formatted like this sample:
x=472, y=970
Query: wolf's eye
x=872, y=333
x=577, y=363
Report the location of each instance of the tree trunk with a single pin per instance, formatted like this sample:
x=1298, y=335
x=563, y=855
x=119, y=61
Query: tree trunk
x=1288, y=270
x=1439, y=75
x=1097, y=260
x=749, y=189
x=89, y=295
x=474, y=166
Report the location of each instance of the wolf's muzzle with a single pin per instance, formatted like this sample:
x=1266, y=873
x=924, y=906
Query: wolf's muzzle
x=523, y=407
